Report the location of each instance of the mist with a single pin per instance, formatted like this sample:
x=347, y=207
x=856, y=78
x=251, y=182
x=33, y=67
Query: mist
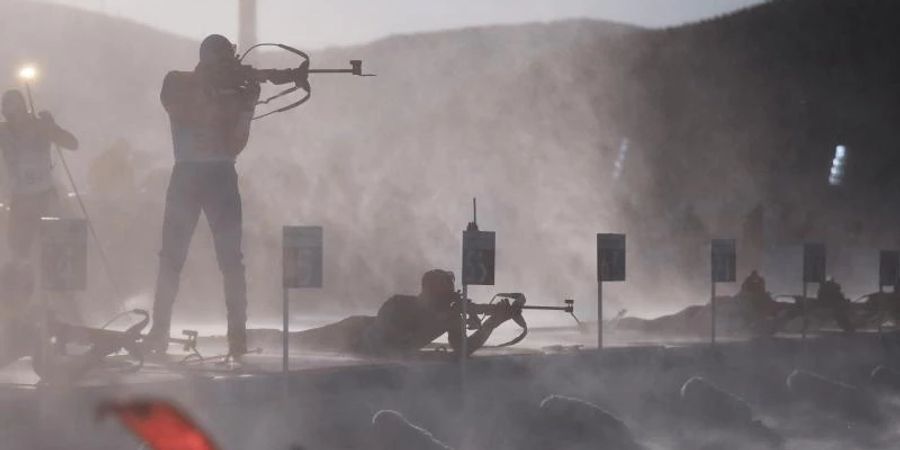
x=388, y=165
x=527, y=118
x=723, y=128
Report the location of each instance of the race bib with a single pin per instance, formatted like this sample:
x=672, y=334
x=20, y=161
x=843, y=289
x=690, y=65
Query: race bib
x=31, y=177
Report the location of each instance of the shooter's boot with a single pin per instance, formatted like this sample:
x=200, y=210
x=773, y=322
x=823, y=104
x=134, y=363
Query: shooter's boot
x=237, y=342
x=156, y=341
x=235, y=286
x=167, y=282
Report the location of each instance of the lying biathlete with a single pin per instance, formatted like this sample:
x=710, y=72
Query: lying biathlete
x=405, y=324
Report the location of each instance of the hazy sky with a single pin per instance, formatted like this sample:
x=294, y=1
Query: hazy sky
x=338, y=22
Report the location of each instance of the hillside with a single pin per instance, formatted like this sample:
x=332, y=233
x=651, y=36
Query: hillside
x=757, y=101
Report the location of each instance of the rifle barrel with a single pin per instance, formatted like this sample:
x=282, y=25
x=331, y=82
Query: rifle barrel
x=330, y=70
x=481, y=308
x=548, y=308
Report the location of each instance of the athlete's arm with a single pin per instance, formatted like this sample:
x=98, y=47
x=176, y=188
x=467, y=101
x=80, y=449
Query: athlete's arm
x=57, y=134
x=4, y=135
x=179, y=96
x=503, y=313
x=248, y=96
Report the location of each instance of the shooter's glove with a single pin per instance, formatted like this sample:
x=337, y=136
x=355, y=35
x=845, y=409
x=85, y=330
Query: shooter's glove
x=503, y=311
x=250, y=94
x=47, y=118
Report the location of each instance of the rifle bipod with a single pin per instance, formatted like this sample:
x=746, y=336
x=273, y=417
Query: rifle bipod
x=221, y=360
x=188, y=344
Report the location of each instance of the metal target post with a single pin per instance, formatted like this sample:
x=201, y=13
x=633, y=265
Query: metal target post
x=814, y=267
x=600, y=310
x=465, y=345
x=478, y=261
x=803, y=311
x=285, y=330
x=302, y=267
x=880, y=310
x=610, y=267
x=723, y=269
x=712, y=315
x=464, y=306
x=888, y=275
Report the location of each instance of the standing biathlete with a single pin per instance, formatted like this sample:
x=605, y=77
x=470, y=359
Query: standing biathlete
x=210, y=110
x=25, y=141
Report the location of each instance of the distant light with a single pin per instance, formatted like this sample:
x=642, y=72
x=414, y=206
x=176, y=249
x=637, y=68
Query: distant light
x=836, y=174
x=620, y=160
x=50, y=219
x=28, y=73
x=71, y=195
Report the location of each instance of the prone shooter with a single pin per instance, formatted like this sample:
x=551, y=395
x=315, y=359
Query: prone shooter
x=405, y=323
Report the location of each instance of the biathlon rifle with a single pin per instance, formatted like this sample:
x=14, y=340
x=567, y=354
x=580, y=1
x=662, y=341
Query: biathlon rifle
x=103, y=342
x=479, y=312
x=298, y=76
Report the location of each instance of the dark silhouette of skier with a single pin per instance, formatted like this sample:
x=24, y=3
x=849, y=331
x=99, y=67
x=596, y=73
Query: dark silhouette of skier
x=210, y=110
x=831, y=296
x=25, y=141
x=760, y=310
x=406, y=323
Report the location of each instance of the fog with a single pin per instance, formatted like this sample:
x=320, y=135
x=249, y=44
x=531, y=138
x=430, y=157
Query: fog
x=529, y=119
x=388, y=165
x=726, y=128
x=749, y=404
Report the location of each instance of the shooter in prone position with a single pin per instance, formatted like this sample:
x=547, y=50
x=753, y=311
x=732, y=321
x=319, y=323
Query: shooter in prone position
x=760, y=310
x=406, y=323
x=831, y=296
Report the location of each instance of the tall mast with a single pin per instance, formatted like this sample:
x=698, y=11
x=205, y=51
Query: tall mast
x=246, y=24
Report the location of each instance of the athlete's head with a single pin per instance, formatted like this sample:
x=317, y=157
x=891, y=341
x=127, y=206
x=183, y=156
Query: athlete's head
x=438, y=284
x=216, y=49
x=13, y=105
x=754, y=283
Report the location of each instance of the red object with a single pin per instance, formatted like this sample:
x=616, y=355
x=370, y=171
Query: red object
x=160, y=425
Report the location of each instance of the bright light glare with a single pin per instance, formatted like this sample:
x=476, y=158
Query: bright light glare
x=28, y=73
x=620, y=160
x=836, y=174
